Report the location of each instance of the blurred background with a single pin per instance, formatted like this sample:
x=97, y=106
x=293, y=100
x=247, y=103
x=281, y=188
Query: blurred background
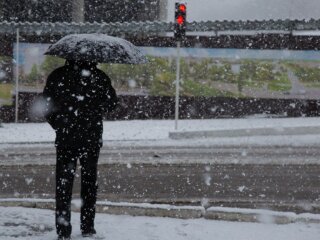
x=277, y=63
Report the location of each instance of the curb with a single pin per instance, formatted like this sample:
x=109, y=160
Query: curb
x=260, y=216
x=246, y=132
x=173, y=211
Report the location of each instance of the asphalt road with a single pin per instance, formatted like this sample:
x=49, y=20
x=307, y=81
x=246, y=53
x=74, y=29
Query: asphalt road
x=275, y=178
x=44, y=154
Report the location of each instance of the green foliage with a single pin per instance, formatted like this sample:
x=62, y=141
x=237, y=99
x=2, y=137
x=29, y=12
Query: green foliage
x=199, y=69
x=5, y=58
x=280, y=83
x=312, y=85
x=163, y=84
x=252, y=71
x=5, y=92
x=34, y=75
x=159, y=74
x=198, y=76
x=265, y=72
x=142, y=74
x=206, y=69
x=192, y=88
x=222, y=73
x=50, y=63
x=256, y=74
x=306, y=74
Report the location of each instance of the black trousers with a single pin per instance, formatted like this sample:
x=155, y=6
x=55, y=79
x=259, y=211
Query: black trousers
x=65, y=172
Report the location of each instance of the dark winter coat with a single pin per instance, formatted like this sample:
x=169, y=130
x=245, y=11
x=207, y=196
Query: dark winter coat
x=77, y=96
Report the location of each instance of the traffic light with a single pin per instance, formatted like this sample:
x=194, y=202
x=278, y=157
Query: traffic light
x=180, y=21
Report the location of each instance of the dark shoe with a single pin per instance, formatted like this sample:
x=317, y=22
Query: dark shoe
x=64, y=238
x=89, y=233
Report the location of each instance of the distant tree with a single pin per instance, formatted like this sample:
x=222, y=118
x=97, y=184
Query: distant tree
x=50, y=63
x=163, y=84
x=264, y=72
x=142, y=74
x=199, y=70
x=193, y=88
x=221, y=73
x=34, y=75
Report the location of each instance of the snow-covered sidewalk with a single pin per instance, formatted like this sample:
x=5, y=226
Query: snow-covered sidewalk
x=28, y=223
x=158, y=130
x=36, y=224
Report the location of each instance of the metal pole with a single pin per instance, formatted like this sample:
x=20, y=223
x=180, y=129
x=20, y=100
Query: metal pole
x=177, y=87
x=17, y=78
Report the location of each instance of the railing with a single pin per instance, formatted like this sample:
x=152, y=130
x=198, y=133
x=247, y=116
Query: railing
x=156, y=28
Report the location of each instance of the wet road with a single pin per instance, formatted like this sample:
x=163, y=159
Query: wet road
x=283, y=179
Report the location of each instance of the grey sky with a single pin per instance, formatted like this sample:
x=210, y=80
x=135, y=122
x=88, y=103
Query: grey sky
x=248, y=9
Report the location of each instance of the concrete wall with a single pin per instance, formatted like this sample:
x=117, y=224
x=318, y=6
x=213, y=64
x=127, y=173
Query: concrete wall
x=157, y=107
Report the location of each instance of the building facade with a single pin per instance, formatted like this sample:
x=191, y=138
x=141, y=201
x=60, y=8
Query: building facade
x=82, y=10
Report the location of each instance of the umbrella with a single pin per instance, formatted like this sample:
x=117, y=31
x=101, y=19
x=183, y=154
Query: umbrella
x=98, y=48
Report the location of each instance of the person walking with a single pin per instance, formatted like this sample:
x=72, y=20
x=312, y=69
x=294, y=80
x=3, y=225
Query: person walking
x=77, y=96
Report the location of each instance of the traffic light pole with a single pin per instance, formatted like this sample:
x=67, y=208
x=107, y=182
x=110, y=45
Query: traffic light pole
x=179, y=34
x=177, y=86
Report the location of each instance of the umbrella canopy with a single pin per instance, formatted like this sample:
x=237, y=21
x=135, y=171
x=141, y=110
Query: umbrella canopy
x=98, y=48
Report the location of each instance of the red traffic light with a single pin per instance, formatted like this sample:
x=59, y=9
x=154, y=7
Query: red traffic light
x=182, y=8
x=180, y=20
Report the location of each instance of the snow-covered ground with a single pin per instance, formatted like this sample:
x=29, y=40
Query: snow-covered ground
x=26, y=223
x=158, y=130
x=37, y=224
x=149, y=129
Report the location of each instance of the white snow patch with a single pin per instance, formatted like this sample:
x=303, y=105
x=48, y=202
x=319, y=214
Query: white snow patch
x=159, y=130
x=85, y=73
x=207, y=179
x=241, y=188
x=80, y=98
x=38, y=224
x=129, y=165
x=265, y=212
x=2, y=74
x=28, y=180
